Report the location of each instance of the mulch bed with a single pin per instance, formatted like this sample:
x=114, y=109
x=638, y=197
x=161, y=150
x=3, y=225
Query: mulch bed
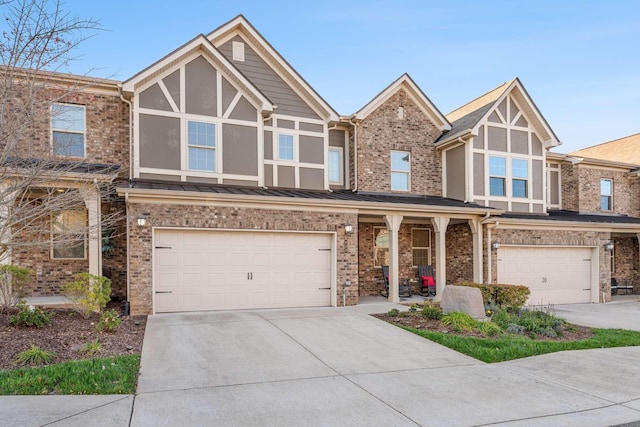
x=570, y=332
x=67, y=333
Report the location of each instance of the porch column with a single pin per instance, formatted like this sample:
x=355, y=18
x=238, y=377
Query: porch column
x=91, y=198
x=393, y=224
x=476, y=230
x=440, y=225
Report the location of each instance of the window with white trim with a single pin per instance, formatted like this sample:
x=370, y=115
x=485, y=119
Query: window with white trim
x=68, y=130
x=421, y=246
x=201, y=141
x=69, y=234
x=606, y=194
x=497, y=176
x=400, y=170
x=520, y=178
x=336, y=166
x=380, y=246
x=285, y=146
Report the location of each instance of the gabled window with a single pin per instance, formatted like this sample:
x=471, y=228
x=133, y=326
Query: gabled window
x=606, y=194
x=67, y=130
x=520, y=178
x=421, y=246
x=497, y=176
x=400, y=170
x=335, y=166
x=201, y=140
x=285, y=147
x=69, y=234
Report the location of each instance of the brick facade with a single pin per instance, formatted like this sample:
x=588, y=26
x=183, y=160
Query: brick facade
x=626, y=261
x=459, y=246
x=382, y=131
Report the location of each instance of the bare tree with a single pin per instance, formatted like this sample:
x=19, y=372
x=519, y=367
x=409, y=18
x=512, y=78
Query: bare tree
x=37, y=180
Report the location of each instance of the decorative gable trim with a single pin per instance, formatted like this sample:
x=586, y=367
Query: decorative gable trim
x=241, y=26
x=417, y=96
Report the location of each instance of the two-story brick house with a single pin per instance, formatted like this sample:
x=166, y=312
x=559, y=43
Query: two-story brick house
x=247, y=190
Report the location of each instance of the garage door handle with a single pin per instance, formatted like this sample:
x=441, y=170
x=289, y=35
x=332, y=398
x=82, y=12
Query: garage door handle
x=163, y=247
x=163, y=292
x=323, y=288
x=325, y=249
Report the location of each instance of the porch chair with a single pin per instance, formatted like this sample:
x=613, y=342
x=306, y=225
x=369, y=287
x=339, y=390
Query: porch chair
x=404, y=287
x=427, y=281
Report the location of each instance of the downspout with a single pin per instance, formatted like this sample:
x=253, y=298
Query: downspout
x=127, y=304
x=353, y=121
x=126, y=101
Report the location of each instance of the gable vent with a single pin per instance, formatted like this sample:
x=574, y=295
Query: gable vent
x=238, y=51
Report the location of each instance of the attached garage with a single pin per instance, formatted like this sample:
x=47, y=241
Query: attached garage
x=196, y=270
x=555, y=275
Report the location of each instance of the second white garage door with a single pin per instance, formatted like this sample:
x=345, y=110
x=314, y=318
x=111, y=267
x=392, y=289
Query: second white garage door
x=555, y=275
x=222, y=270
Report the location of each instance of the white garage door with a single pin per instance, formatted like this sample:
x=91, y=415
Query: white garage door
x=223, y=270
x=555, y=275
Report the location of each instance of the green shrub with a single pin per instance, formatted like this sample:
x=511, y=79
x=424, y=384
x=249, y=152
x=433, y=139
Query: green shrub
x=501, y=295
x=490, y=328
x=459, y=322
x=14, y=285
x=88, y=293
x=393, y=312
x=432, y=311
x=91, y=348
x=30, y=316
x=109, y=321
x=531, y=321
x=34, y=356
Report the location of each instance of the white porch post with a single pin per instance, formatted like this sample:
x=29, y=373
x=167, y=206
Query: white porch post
x=91, y=198
x=476, y=230
x=393, y=224
x=440, y=225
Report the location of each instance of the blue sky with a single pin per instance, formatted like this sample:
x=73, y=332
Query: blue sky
x=579, y=60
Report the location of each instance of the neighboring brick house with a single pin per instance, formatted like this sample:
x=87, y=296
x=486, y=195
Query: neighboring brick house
x=247, y=190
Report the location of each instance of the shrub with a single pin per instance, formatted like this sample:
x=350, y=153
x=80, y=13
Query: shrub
x=490, y=328
x=393, y=312
x=530, y=320
x=513, y=328
x=432, y=311
x=34, y=356
x=30, y=316
x=14, y=285
x=109, y=321
x=501, y=295
x=459, y=322
x=91, y=348
x=88, y=293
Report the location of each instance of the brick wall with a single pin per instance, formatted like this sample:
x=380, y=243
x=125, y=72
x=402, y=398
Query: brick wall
x=459, y=247
x=141, y=261
x=626, y=259
x=570, y=187
x=114, y=262
x=382, y=131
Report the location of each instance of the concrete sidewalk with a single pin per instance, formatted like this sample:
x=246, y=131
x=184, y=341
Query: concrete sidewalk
x=339, y=366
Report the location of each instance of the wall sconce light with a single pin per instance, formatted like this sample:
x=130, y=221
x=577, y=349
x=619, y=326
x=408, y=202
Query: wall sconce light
x=142, y=221
x=495, y=245
x=608, y=246
x=348, y=228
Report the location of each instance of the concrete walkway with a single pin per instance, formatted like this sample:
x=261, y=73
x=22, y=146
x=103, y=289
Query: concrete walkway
x=339, y=366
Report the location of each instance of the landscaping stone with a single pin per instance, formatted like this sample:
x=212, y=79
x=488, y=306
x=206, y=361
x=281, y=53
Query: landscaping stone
x=463, y=299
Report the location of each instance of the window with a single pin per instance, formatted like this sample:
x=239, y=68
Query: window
x=519, y=177
x=497, y=176
x=380, y=246
x=421, y=246
x=67, y=130
x=335, y=166
x=606, y=195
x=68, y=234
x=202, y=146
x=400, y=167
x=285, y=147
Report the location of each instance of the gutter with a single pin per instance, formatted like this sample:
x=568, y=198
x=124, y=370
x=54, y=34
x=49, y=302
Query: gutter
x=130, y=130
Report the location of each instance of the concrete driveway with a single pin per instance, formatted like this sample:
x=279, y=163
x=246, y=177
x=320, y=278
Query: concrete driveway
x=622, y=313
x=339, y=366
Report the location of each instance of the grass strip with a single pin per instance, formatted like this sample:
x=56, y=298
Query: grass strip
x=109, y=375
x=511, y=347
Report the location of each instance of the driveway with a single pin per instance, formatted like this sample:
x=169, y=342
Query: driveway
x=342, y=367
x=622, y=313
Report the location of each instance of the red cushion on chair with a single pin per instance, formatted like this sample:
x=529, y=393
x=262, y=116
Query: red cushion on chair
x=428, y=281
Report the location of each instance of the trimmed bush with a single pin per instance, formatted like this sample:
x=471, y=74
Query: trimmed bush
x=31, y=316
x=88, y=293
x=501, y=295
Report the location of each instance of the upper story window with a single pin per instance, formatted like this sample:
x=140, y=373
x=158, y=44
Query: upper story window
x=285, y=147
x=335, y=166
x=520, y=177
x=202, y=146
x=68, y=130
x=497, y=176
x=68, y=234
x=606, y=195
x=400, y=170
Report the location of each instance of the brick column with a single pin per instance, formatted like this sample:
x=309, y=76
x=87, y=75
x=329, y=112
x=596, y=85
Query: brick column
x=440, y=225
x=393, y=224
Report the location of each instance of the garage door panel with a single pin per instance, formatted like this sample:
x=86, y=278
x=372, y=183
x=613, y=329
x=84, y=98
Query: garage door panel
x=219, y=270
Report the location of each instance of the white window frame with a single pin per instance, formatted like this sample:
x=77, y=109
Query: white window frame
x=68, y=131
x=610, y=196
x=53, y=234
x=428, y=248
x=294, y=138
x=214, y=148
x=340, y=152
x=503, y=177
x=526, y=180
x=393, y=171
